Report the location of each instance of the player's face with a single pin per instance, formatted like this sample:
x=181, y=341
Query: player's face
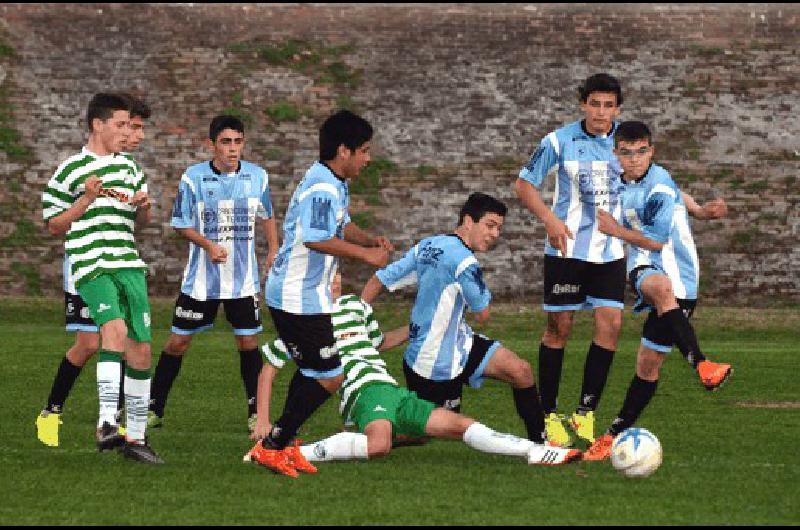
x=634, y=157
x=136, y=135
x=228, y=150
x=600, y=109
x=485, y=232
x=355, y=160
x=113, y=133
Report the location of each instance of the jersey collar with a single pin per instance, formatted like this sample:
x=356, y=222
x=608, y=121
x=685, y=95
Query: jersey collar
x=590, y=135
x=640, y=179
x=333, y=172
x=218, y=172
x=462, y=241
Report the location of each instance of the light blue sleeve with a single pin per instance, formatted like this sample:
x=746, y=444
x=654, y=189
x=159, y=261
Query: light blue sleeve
x=400, y=273
x=541, y=162
x=475, y=292
x=657, y=217
x=266, y=199
x=183, y=209
x=318, y=217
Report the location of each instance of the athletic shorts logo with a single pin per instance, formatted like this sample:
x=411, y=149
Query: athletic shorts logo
x=146, y=319
x=103, y=307
x=378, y=408
x=566, y=289
x=85, y=313
x=327, y=352
x=187, y=314
x=452, y=404
x=70, y=309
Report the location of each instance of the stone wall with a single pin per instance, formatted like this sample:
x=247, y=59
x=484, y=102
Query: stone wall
x=459, y=96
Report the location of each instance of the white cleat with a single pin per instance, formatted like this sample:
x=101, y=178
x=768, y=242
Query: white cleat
x=548, y=455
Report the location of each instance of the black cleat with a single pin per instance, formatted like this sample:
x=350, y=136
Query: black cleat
x=141, y=452
x=108, y=437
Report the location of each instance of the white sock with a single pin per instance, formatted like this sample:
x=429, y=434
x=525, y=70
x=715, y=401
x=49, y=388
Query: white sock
x=137, y=398
x=108, y=376
x=484, y=439
x=341, y=446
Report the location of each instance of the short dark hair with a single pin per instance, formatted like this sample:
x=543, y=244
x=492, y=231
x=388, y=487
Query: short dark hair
x=600, y=83
x=137, y=106
x=222, y=122
x=103, y=105
x=343, y=128
x=479, y=204
x=630, y=131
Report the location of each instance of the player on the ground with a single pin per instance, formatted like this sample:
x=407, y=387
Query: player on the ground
x=94, y=199
x=663, y=270
x=218, y=208
x=443, y=353
x=317, y=232
x=380, y=409
x=583, y=268
x=87, y=334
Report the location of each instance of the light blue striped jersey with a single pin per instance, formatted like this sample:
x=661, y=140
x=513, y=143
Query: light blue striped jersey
x=588, y=178
x=222, y=208
x=654, y=206
x=449, y=280
x=299, y=281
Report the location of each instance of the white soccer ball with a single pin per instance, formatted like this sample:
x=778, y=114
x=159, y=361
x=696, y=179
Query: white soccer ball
x=636, y=453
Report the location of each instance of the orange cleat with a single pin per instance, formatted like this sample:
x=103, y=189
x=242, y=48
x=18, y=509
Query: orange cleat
x=600, y=449
x=297, y=460
x=713, y=375
x=273, y=459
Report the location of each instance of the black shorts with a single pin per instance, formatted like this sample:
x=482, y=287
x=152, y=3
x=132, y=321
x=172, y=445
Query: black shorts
x=656, y=335
x=309, y=340
x=447, y=394
x=572, y=284
x=193, y=316
x=76, y=314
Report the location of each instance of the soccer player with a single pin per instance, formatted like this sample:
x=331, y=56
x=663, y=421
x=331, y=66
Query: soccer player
x=443, y=353
x=583, y=268
x=662, y=269
x=217, y=209
x=380, y=409
x=317, y=232
x=94, y=199
x=87, y=334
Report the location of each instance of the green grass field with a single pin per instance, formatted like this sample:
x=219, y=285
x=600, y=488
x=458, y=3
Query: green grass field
x=729, y=457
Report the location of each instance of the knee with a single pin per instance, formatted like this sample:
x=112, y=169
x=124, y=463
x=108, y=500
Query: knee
x=378, y=448
x=558, y=330
x=648, y=367
x=177, y=345
x=246, y=342
x=523, y=374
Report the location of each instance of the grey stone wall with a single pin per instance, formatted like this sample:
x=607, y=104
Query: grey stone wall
x=459, y=95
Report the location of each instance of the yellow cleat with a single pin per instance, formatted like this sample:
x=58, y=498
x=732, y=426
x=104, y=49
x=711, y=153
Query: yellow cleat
x=557, y=435
x=583, y=425
x=47, y=427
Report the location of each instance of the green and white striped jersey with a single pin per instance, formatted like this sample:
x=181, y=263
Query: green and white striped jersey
x=358, y=337
x=101, y=240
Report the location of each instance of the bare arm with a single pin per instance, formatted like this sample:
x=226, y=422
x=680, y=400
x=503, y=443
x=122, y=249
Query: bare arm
x=482, y=317
x=608, y=225
x=354, y=234
x=143, y=208
x=271, y=231
x=371, y=290
x=375, y=256
x=715, y=209
x=263, y=397
x=217, y=253
x=557, y=231
x=59, y=225
x=394, y=338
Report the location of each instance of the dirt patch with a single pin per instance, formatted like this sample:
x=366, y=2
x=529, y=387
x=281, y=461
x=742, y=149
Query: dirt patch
x=769, y=404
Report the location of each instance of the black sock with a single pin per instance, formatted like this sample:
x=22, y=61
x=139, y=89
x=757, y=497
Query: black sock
x=308, y=396
x=550, y=361
x=529, y=408
x=65, y=377
x=166, y=372
x=684, y=336
x=639, y=394
x=250, y=363
x=595, y=374
x=121, y=401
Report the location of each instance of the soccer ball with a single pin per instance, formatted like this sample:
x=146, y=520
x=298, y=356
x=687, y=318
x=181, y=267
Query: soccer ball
x=636, y=453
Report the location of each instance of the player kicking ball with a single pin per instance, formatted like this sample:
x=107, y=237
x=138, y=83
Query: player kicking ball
x=663, y=270
x=379, y=408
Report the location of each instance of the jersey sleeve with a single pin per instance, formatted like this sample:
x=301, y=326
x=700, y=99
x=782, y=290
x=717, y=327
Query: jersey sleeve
x=183, y=210
x=140, y=183
x=373, y=329
x=658, y=211
x=56, y=198
x=470, y=278
x=276, y=353
x=265, y=207
x=541, y=162
x=318, y=216
x=400, y=273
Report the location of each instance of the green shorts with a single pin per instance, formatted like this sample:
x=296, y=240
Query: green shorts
x=119, y=294
x=408, y=413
